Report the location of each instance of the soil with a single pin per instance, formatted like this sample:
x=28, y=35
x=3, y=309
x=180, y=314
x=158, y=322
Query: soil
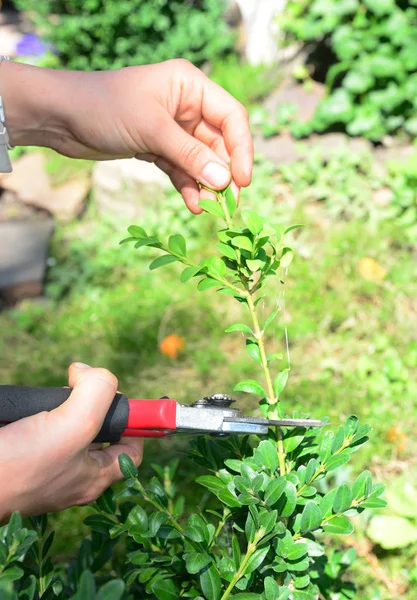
x=11, y=209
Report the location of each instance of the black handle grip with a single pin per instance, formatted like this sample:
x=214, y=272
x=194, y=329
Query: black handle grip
x=17, y=402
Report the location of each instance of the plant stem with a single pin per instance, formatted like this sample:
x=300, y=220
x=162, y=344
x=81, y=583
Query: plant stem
x=239, y=573
x=271, y=397
x=171, y=519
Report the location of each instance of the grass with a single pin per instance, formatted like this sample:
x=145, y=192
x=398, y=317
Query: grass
x=352, y=340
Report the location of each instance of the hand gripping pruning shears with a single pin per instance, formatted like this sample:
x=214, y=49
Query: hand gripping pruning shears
x=161, y=417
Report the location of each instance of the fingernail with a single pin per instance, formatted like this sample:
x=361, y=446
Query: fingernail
x=81, y=365
x=236, y=190
x=215, y=175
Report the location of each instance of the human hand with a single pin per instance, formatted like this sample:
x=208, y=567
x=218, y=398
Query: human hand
x=48, y=462
x=169, y=113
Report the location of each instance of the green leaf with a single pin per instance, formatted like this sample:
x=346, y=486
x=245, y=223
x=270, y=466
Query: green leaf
x=266, y=455
x=290, y=499
x=363, y=485
x=311, y=517
x=149, y=241
x=212, y=483
x=253, y=221
x=246, y=596
x=99, y=523
x=177, y=245
x=227, y=250
x=291, y=228
x=127, y=466
x=280, y=381
x=11, y=574
x=207, y=283
x=254, y=351
x=343, y=499
x=228, y=498
x=196, y=534
x=212, y=207
x=275, y=490
x=161, y=261
x=337, y=461
x=392, y=532
x=241, y=241
x=254, y=265
x=113, y=590
x=210, y=583
x=127, y=240
x=189, y=273
x=287, y=257
x=137, y=232
x=275, y=356
x=340, y=525
x=230, y=200
x=271, y=318
x=239, y=327
x=271, y=588
x=196, y=561
x=216, y=267
x=165, y=589
x=296, y=551
x=250, y=386
x=256, y=560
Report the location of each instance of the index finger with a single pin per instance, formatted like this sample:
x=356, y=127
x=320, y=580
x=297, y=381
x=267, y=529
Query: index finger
x=223, y=111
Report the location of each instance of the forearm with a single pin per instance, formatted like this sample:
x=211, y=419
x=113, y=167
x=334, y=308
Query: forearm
x=37, y=102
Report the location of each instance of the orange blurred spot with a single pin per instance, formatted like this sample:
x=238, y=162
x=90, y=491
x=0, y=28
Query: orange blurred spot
x=172, y=345
x=393, y=434
x=397, y=438
x=370, y=270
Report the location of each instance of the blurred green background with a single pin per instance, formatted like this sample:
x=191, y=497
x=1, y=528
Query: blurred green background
x=351, y=293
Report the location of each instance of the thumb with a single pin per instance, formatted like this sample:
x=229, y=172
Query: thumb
x=86, y=408
x=189, y=154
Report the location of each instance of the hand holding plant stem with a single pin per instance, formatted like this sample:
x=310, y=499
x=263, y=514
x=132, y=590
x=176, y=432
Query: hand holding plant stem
x=249, y=255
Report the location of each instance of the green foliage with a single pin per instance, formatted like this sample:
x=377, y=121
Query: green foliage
x=371, y=75
x=351, y=350
x=248, y=83
x=102, y=34
x=398, y=528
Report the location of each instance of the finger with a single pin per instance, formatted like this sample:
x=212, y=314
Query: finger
x=108, y=459
x=225, y=113
x=189, y=154
x=183, y=183
x=82, y=415
x=213, y=138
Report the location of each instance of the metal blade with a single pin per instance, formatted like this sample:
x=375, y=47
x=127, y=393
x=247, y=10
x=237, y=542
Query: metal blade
x=279, y=423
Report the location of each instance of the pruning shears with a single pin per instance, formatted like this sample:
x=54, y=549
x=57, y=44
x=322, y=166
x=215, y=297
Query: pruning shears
x=161, y=417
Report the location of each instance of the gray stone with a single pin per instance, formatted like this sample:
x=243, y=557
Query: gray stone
x=23, y=250
x=125, y=186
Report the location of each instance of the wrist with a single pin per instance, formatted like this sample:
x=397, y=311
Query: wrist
x=34, y=103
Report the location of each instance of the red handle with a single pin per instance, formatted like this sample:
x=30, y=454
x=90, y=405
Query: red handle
x=150, y=418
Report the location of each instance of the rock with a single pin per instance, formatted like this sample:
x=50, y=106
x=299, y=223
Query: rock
x=329, y=142
x=28, y=180
x=31, y=184
x=284, y=148
x=397, y=153
x=126, y=185
x=279, y=149
x=23, y=251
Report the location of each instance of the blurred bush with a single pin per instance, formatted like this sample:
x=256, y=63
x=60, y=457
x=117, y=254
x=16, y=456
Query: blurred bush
x=366, y=52
x=103, y=34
